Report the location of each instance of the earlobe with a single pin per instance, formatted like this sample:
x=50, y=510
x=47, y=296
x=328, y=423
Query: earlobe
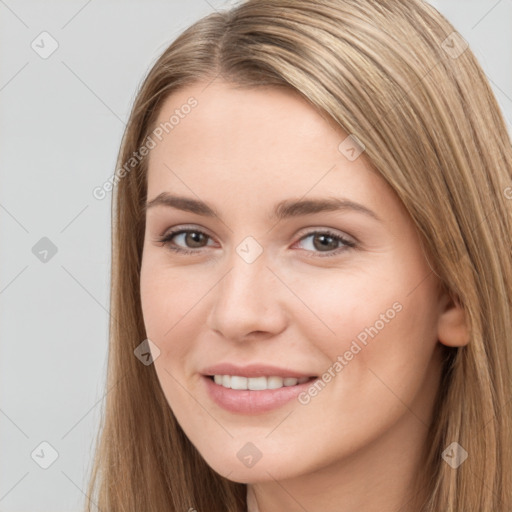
x=452, y=328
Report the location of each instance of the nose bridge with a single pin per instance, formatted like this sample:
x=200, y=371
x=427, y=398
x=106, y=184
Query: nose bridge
x=248, y=263
x=247, y=297
x=246, y=273
x=248, y=278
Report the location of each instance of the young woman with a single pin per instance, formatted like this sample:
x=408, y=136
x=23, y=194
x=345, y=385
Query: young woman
x=311, y=274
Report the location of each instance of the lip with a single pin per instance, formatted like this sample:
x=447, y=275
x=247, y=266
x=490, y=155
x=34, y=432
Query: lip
x=253, y=370
x=249, y=402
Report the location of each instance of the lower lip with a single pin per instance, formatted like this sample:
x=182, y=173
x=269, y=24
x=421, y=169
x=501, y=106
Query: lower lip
x=245, y=401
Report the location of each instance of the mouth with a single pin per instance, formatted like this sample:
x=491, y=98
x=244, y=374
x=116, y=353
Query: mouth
x=256, y=394
x=255, y=388
x=260, y=383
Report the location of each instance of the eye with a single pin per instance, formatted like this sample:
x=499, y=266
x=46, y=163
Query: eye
x=194, y=237
x=328, y=242
x=324, y=241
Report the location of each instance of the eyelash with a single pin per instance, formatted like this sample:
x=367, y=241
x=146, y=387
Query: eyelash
x=166, y=239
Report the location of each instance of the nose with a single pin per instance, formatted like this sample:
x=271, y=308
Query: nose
x=248, y=302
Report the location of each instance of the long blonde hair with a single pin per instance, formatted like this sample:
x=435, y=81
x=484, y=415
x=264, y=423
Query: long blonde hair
x=395, y=74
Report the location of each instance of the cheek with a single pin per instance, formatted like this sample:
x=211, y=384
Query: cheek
x=174, y=304
x=167, y=306
x=168, y=296
x=386, y=346
x=337, y=306
x=373, y=322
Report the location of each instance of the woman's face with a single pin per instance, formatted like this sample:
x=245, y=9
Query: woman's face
x=340, y=295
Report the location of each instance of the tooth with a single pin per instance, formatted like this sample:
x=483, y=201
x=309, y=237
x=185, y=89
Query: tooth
x=238, y=382
x=257, y=383
x=274, y=382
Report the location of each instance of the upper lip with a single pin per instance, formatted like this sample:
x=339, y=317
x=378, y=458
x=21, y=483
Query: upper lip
x=253, y=370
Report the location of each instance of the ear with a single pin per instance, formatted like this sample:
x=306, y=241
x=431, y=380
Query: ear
x=452, y=328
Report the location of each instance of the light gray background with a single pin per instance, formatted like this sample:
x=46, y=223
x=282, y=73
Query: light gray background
x=61, y=125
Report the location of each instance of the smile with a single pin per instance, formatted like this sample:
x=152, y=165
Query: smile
x=257, y=383
x=253, y=395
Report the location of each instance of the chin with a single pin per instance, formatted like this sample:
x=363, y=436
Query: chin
x=267, y=468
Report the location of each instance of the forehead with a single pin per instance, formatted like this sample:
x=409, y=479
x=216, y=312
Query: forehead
x=255, y=119
x=263, y=143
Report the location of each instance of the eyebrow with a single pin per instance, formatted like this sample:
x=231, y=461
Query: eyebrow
x=284, y=209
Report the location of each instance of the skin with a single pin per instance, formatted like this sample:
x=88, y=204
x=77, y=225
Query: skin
x=357, y=444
